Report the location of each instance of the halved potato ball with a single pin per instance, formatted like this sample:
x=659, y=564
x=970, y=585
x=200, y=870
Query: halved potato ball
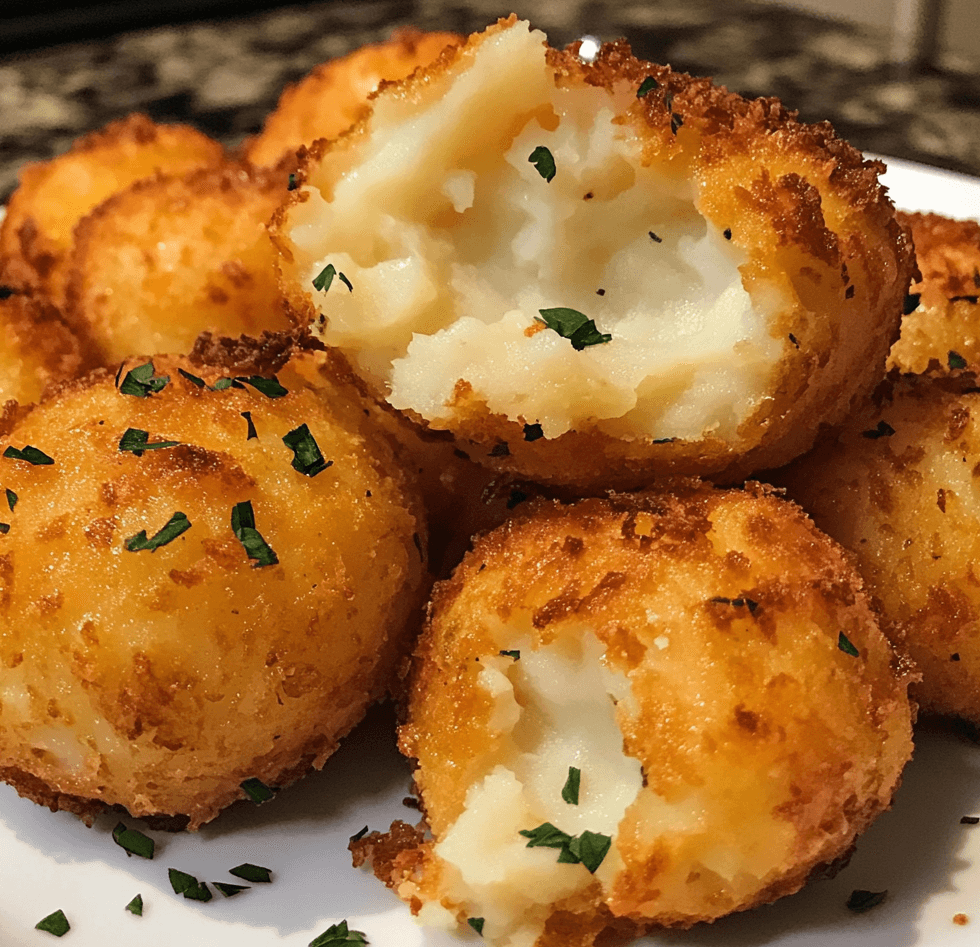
x=201, y=583
x=334, y=95
x=597, y=273
x=37, y=233
x=898, y=487
x=171, y=256
x=645, y=711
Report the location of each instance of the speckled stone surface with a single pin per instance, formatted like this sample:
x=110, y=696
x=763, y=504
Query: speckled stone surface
x=225, y=76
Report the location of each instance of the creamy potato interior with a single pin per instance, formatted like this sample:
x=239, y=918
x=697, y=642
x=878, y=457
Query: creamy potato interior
x=453, y=241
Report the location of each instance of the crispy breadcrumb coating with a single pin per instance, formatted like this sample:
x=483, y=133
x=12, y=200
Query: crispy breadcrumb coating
x=734, y=277
x=708, y=663
x=179, y=618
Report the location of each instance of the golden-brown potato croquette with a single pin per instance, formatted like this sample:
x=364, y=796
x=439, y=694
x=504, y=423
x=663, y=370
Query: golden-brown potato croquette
x=645, y=711
x=204, y=579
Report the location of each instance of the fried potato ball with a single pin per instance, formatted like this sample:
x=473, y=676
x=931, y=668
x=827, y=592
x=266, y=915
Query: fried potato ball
x=898, y=487
x=598, y=273
x=941, y=329
x=201, y=584
x=36, y=348
x=36, y=235
x=334, y=95
x=645, y=711
x=168, y=257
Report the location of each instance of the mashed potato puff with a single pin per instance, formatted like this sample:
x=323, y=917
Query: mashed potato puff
x=334, y=95
x=941, y=327
x=897, y=487
x=598, y=272
x=650, y=710
x=168, y=257
x=201, y=583
x=36, y=348
x=37, y=233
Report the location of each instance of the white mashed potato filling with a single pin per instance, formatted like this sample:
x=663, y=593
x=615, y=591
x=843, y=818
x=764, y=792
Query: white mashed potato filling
x=453, y=241
x=557, y=708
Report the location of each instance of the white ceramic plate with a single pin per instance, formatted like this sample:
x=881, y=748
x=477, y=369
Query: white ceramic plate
x=928, y=862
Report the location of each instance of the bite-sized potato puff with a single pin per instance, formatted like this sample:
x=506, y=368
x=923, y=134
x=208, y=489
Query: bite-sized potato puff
x=37, y=233
x=156, y=264
x=334, y=95
x=598, y=273
x=202, y=583
x=36, y=348
x=898, y=487
x=941, y=328
x=645, y=711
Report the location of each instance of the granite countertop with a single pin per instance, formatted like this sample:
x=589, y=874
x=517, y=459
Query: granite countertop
x=224, y=76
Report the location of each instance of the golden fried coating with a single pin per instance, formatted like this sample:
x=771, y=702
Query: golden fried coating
x=707, y=664
x=592, y=285
x=37, y=233
x=941, y=331
x=897, y=487
x=36, y=348
x=203, y=585
x=168, y=257
x=334, y=95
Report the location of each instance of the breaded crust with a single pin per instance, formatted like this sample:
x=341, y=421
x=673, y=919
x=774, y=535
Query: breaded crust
x=37, y=233
x=171, y=256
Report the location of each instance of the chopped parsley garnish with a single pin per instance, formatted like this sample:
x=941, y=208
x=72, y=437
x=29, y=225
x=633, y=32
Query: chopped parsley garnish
x=133, y=842
x=325, y=277
x=654, y=237
x=229, y=891
x=956, y=360
x=252, y=433
x=911, y=303
x=970, y=820
x=569, y=791
x=546, y=836
x=135, y=440
x=243, y=526
x=291, y=183
x=844, y=643
x=794, y=340
x=257, y=791
x=189, y=886
x=533, y=432
x=575, y=326
x=193, y=379
x=4, y=528
x=884, y=429
x=516, y=497
x=31, y=454
x=544, y=161
x=647, y=85
x=338, y=934
x=254, y=873
x=55, y=923
x=222, y=383
x=270, y=387
x=589, y=848
x=357, y=836
x=11, y=499
x=177, y=524
x=476, y=923
x=955, y=656
x=136, y=906
x=141, y=382
x=307, y=458
x=728, y=233
x=861, y=901
x=515, y=654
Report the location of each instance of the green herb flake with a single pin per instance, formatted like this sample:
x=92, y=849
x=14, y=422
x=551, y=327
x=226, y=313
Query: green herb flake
x=515, y=654
x=844, y=643
x=222, y=383
x=229, y=891
x=136, y=906
x=31, y=454
x=476, y=923
x=243, y=526
x=575, y=326
x=11, y=499
x=189, y=886
x=911, y=303
x=253, y=873
x=307, y=458
x=647, y=85
x=861, y=901
x=4, y=528
x=291, y=183
x=533, y=432
x=970, y=820
x=956, y=360
x=546, y=836
x=141, y=382
x=270, y=387
x=591, y=848
x=357, y=836
x=338, y=934
x=252, y=433
x=55, y=923
x=193, y=379
x=137, y=441
x=177, y=524
x=884, y=429
x=257, y=791
x=544, y=161
x=325, y=277
x=133, y=842
x=570, y=790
